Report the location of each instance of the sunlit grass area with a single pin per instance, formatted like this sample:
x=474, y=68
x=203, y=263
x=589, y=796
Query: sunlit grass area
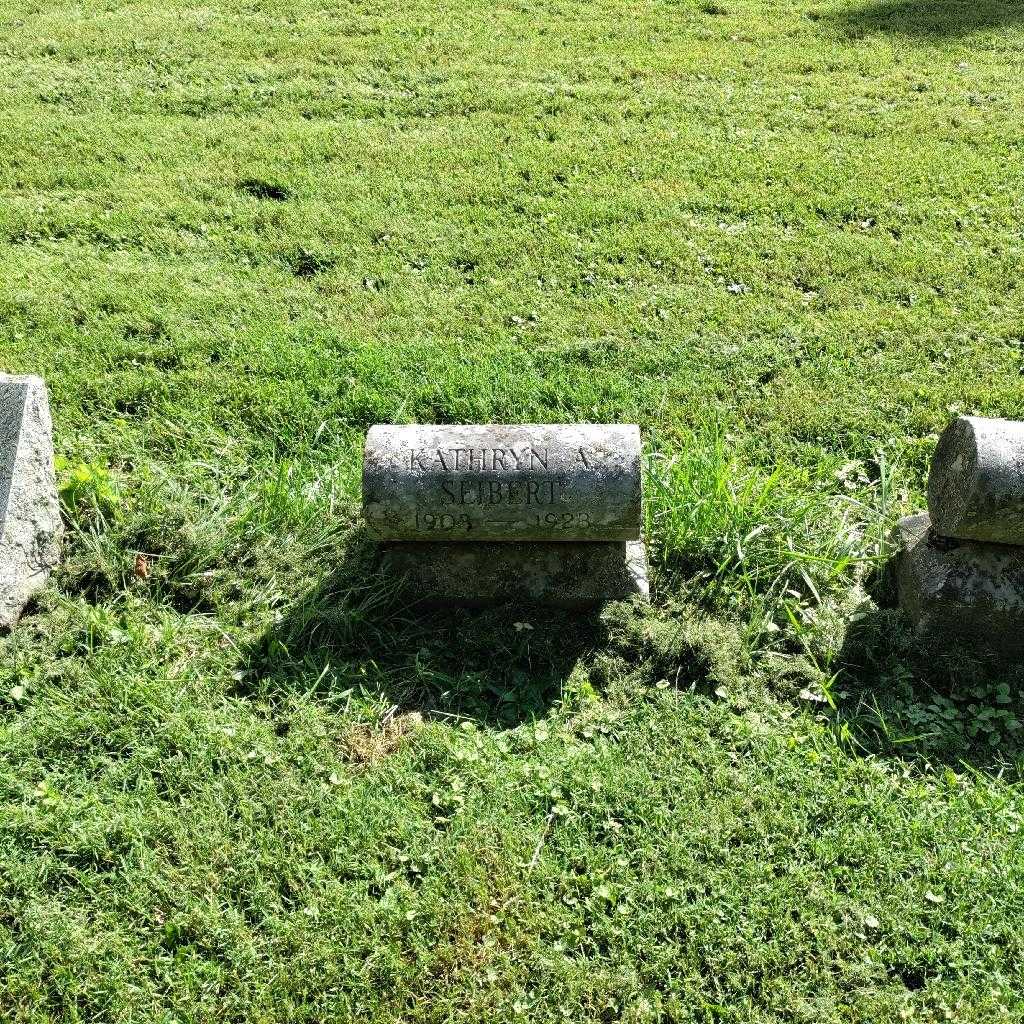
x=241, y=779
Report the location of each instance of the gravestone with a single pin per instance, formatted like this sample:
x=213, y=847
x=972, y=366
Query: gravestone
x=575, y=482
x=960, y=566
x=486, y=514
x=976, y=481
x=30, y=523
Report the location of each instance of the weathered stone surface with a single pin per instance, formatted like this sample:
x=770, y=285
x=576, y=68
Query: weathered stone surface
x=503, y=483
x=958, y=592
x=30, y=524
x=559, y=574
x=976, y=482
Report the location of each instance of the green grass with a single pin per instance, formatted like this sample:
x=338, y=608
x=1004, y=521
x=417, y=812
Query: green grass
x=240, y=780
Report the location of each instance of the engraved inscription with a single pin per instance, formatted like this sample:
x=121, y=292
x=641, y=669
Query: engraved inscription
x=562, y=520
x=469, y=488
x=443, y=521
x=478, y=460
x=530, y=491
x=463, y=522
x=502, y=482
x=469, y=497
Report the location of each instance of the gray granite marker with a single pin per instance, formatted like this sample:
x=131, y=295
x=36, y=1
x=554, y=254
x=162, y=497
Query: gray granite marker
x=503, y=483
x=30, y=523
x=976, y=482
x=959, y=592
x=561, y=575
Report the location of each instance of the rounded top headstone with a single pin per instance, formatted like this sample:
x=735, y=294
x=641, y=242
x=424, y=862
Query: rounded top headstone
x=516, y=482
x=976, y=481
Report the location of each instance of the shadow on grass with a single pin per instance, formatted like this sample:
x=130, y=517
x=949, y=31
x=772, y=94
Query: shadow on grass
x=932, y=18
x=498, y=666
x=356, y=633
x=908, y=698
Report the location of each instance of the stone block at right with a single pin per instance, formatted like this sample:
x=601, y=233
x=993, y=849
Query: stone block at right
x=976, y=481
x=965, y=594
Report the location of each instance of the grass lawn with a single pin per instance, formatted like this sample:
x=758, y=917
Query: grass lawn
x=240, y=780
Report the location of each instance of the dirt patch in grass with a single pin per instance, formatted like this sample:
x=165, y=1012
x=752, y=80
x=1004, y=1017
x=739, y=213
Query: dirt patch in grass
x=368, y=743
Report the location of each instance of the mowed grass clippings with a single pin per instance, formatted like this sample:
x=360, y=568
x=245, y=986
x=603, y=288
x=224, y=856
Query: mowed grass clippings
x=241, y=779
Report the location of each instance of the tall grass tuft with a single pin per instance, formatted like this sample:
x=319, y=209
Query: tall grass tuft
x=745, y=535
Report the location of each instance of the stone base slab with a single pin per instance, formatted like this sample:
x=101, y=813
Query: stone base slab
x=961, y=593
x=560, y=574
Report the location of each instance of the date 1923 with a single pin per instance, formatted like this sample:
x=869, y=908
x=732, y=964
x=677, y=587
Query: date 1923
x=562, y=520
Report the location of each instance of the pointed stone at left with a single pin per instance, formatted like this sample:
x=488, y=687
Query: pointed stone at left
x=30, y=523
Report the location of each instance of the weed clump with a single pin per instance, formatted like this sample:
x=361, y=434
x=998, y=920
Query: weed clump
x=681, y=646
